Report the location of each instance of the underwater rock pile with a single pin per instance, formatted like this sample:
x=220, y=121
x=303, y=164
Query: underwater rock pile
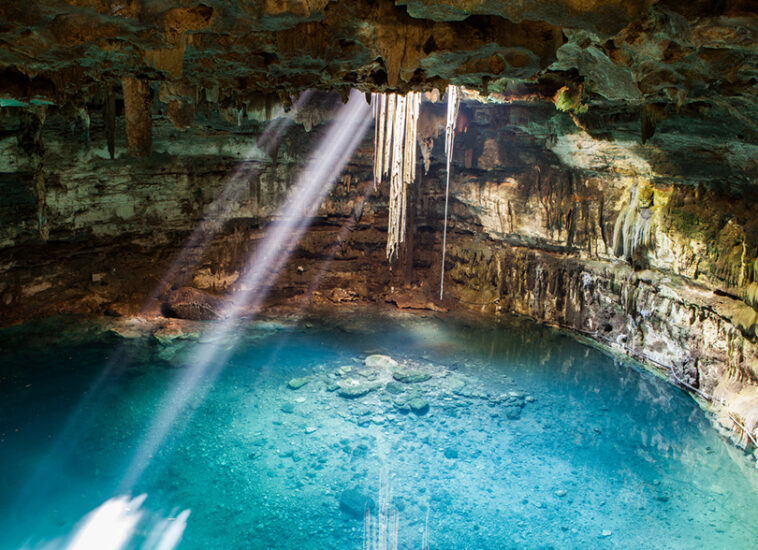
x=379, y=388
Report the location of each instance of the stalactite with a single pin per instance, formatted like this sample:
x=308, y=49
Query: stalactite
x=396, y=117
x=453, y=100
x=380, y=117
x=396, y=227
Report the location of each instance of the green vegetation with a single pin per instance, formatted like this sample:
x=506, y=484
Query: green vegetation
x=565, y=100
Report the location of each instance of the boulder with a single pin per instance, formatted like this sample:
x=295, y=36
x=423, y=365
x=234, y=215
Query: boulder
x=297, y=383
x=354, y=502
x=194, y=305
x=352, y=388
x=419, y=405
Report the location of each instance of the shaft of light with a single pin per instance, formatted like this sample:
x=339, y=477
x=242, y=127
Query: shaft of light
x=218, y=212
x=314, y=183
x=122, y=522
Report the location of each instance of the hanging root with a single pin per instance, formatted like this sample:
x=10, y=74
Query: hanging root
x=453, y=100
x=395, y=129
x=396, y=118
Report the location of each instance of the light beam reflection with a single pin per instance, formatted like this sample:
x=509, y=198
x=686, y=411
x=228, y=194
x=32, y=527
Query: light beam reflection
x=315, y=181
x=122, y=522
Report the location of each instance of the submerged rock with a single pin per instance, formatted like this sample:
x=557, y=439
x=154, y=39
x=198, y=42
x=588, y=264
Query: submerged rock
x=419, y=405
x=394, y=388
x=354, y=503
x=352, y=388
x=401, y=403
x=454, y=383
x=297, y=383
x=380, y=361
x=172, y=330
x=367, y=374
x=408, y=376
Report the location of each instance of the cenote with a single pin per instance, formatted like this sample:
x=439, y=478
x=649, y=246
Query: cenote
x=460, y=434
x=378, y=274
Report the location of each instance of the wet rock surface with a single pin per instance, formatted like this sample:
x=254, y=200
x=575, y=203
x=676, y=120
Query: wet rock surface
x=654, y=55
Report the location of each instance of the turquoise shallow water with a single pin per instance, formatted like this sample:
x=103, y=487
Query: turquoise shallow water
x=519, y=438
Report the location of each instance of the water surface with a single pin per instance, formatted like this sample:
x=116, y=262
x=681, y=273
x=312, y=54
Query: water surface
x=520, y=438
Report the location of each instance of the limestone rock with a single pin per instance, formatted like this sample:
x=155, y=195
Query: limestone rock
x=408, y=376
x=380, y=361
x=352, y=388
x=297, y=383
x=139, y=120
x=394, y=388
x=193, y=304
x=419, y=405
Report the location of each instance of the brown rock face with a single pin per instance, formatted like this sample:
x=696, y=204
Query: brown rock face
x=193, y=305
x=628, y=50
x=139, y=120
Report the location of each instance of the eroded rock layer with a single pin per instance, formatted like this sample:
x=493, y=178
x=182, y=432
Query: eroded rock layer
x=656, y=56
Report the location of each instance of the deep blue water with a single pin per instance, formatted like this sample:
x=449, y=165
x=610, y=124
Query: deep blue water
x=521, y=438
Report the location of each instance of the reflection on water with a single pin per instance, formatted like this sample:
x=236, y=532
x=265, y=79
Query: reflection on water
x=470, y=436
x=122, y=522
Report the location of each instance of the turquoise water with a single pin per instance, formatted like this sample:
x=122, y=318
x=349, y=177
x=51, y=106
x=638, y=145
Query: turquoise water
x=512, y=436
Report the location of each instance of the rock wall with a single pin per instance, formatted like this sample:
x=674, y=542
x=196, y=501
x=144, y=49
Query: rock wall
x=567, y=220
x=649, y=263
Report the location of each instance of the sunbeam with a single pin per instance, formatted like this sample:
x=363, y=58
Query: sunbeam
x=315, y=181
x=218, y=212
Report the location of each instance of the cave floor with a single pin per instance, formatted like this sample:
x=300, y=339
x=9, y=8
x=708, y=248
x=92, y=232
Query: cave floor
x=478, y=436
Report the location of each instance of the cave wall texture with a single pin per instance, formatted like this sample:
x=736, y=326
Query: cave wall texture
x=606, y=183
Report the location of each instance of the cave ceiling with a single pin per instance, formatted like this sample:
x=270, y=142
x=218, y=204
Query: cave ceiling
x=615, y=60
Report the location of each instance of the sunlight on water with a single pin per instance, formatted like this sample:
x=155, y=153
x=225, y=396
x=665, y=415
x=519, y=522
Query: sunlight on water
x=368, y=432
x=122, y=522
